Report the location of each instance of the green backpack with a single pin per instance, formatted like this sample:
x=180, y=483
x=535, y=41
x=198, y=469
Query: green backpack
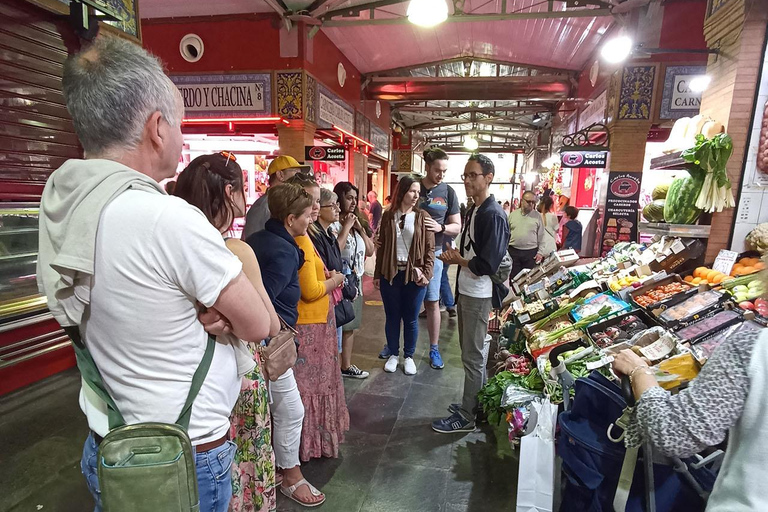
x=146, y=467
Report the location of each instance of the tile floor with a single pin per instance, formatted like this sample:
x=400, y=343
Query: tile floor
x=391, y=460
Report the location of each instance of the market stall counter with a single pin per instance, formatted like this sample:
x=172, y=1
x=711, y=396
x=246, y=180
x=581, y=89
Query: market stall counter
x=567, y=322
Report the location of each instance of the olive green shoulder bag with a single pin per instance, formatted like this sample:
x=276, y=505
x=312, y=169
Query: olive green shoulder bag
x=146, y=467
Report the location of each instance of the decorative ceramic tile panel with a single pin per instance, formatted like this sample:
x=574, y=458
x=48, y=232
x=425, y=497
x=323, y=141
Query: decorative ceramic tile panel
x=310, y=100
x=678, y=100
x=289, y=95
x=636, y=94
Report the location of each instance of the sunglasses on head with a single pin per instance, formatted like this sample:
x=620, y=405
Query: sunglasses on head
x=228, y=156
x=301, y=194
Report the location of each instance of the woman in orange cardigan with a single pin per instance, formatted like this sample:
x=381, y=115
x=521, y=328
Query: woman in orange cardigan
x=326, y=417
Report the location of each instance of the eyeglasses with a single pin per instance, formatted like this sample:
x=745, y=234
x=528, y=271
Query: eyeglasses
x=402, y=222
x=470, y=176
x=529, y=201
x=228, y=156
x=335, y=206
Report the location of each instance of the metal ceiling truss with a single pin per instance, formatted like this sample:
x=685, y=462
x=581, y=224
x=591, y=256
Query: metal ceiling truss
x=328, y=18
x=468, y=61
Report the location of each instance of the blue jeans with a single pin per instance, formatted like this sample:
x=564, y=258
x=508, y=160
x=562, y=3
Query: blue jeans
x=446, y=294
x=214, y=475
x=401, y=304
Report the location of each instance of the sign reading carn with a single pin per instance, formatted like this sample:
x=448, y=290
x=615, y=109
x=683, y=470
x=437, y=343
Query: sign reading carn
x=224, y=94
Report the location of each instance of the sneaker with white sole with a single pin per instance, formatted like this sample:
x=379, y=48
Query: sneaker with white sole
x=452, y=424
x=353, y=372
x=409, y=367
x=391, y=365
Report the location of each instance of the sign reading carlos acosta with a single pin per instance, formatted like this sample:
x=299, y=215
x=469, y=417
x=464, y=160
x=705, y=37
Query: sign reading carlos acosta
x=574, y=159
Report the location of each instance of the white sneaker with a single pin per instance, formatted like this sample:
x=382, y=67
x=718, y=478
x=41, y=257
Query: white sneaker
x=409, y=367
x=391, y=365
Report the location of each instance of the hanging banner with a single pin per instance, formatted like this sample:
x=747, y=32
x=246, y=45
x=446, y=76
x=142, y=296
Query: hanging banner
x=380, y=141
x=621, y=207
x=327, y=153
x=225, y=95
x=333, y=111
x=580, y=158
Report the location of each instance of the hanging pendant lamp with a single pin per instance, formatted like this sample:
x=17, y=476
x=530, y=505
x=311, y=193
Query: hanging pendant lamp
x=427, y=13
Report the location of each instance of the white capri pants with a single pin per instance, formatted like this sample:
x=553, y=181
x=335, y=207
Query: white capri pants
x=287, y=418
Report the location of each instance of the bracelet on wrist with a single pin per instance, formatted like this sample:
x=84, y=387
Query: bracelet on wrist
x=645, y=370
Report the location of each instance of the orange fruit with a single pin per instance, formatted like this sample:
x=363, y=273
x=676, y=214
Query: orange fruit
x=711, y=275
x=700, y=272
x=688, y=279
x=747, y=270
x=759, y=265
x=696, y=281
x=719, y=279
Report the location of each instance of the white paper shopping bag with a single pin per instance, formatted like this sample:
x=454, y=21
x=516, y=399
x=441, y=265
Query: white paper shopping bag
x=536, y=477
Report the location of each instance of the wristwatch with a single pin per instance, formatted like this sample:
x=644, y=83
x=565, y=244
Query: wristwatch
x=442, y=228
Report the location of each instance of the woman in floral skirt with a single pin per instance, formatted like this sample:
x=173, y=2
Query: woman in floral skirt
x=326, y=417
x=214, y=183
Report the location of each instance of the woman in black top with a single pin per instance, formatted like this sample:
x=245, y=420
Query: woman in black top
x=280, y=259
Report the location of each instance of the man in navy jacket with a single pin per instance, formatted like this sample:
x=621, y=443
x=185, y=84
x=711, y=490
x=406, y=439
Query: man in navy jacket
x=482, y=245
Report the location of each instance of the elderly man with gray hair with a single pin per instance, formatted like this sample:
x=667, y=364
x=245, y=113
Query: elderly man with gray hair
x=139, y=276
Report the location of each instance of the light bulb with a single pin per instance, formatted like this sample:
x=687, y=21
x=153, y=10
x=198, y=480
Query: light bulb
x=700, y=83
x=471, y=144
x=617, y=49
x=427, y=13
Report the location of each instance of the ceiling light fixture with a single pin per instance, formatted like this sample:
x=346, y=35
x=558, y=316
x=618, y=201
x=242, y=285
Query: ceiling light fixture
x=700, y=83
x=471, y=144
x=617, y=49
x=427, y=13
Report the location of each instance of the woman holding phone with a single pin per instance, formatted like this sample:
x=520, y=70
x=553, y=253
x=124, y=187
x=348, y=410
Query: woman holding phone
x=404, y=264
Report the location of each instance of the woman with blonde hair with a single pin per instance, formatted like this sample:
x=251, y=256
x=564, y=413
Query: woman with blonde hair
x=326, y=417
x=281, y=258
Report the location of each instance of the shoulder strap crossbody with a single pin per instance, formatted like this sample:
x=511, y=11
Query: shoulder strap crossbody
x=147, y=466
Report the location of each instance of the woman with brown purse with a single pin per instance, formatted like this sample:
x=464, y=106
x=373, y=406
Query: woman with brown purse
x=405, y=261
x=281, y=258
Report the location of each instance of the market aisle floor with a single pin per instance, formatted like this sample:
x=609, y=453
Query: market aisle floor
x=391, y=461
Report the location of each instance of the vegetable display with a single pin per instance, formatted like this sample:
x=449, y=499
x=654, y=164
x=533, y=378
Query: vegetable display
x=710, y=156
x=491, y=394
x=757, y=239
x=624, y=330
x=680, y=204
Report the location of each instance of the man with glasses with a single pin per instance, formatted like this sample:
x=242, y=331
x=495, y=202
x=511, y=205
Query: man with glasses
x=482, y=245
x=526, y=236
x=280, y=170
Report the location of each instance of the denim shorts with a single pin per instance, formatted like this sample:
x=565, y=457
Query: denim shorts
x=433, y=288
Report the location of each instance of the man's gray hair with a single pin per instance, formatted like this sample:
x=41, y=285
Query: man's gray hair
x=327, y=196
x=111, y=88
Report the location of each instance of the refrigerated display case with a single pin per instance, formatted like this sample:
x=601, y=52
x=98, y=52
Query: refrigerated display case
x=32, y=344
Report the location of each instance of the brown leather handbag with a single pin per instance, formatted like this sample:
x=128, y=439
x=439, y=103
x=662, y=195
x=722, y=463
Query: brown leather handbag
x=280, y=355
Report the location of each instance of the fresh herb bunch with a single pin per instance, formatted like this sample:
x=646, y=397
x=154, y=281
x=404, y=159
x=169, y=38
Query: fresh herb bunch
x=709, y=158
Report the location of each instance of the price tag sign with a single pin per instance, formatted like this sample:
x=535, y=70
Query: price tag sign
x=659, y=349
x=725, y=261
x=678, y=247
x=594, y=365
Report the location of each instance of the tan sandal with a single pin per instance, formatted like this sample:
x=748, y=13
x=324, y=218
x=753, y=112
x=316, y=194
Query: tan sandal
x=289, y=492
